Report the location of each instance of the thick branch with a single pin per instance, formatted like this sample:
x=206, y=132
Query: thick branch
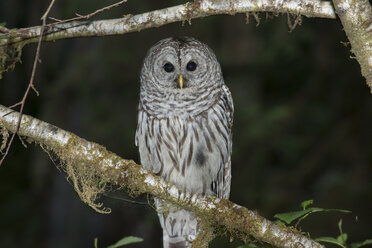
x=185, y=12
x=111, y=168
x=356, y=17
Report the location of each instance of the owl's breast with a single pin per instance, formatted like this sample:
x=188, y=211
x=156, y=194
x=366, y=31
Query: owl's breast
x=178, y=102
x=189, y=151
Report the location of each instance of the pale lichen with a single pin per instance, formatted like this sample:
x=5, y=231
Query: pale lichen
x=5, y=135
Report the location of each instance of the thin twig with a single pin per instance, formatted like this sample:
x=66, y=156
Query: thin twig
x=293, y=25
x=255, y=15
x=31, y=82
x=80, y=17
x=15, y=105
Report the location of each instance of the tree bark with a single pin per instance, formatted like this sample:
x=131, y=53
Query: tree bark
x=356, y=18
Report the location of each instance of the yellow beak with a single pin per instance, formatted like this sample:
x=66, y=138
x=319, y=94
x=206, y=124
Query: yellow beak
x=180, y=81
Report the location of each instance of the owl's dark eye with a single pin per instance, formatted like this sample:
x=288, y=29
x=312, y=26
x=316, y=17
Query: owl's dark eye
x=168, y=67
x=191, y=66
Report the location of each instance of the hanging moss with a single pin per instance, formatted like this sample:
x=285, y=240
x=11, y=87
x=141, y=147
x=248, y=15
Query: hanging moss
x=5, y=135
x=10, y=54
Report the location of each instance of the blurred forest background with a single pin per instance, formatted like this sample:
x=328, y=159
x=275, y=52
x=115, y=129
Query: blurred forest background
x=302, y=127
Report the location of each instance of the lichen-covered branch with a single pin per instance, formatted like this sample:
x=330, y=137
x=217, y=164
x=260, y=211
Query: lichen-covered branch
x=356, y=17
x=13, y=40
x=90, y=166
x=185, y=12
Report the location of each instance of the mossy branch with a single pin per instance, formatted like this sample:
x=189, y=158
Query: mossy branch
x=90, y=167
x=15, y=39
x=356, y=18
x=184, y=12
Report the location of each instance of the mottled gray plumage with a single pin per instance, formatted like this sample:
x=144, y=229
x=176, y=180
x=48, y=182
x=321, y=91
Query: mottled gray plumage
x=184, y=130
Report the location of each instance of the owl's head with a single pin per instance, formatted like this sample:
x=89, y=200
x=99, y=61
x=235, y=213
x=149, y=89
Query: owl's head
x=180, y=65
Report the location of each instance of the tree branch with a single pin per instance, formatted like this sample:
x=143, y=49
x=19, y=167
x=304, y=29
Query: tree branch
x=31, y=82
x=356, y=17
x=110, y=168
x=184, y=12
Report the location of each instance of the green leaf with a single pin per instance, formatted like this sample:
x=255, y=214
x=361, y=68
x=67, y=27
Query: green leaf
x=360, y=244
x=330, y=240
x=307, y=203
x=342, y=238
x=95, y=242
x=2, y=24
x=291, y=216
x=126, y=241
x=314, y=210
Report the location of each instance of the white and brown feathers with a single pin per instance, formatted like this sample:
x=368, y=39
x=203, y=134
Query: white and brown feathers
x=184, y=130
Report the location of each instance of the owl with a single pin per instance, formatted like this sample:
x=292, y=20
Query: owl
x=184, y=135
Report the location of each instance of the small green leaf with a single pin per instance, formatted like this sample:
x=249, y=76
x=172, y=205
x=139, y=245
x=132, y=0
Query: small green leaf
x=330, y=240
x=314, y=210
x=126, y=241
x=291, y=216
x=342, y=238
x=360, y=244
x=95, y=242
x=2, y=24
x=307, y=203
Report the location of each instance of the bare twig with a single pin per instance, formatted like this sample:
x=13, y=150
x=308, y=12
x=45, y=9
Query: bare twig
x=257, y=18
x=247, y=18
x=110, y=168
x=80, y=17
x=293, y=25
x=30, y=84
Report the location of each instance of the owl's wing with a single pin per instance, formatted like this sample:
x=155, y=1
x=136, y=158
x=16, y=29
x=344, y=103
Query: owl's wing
x=229, y=106
x=144, y=142
x=227, y=98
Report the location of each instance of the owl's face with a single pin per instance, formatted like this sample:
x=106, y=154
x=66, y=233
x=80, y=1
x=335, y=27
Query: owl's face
x=180, y=65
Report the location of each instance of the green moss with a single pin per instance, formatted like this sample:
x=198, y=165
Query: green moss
x=10, y=54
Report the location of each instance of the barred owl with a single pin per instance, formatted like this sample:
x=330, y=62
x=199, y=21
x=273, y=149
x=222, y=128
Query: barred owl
x=184, y=133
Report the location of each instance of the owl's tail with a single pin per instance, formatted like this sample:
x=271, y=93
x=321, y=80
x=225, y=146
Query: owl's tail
x=180, y=227
x=175, y=242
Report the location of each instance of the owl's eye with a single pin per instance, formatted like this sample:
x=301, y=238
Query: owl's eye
x=168, y=67
x=191, y=66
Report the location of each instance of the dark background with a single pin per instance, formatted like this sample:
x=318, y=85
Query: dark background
x=302, y=127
